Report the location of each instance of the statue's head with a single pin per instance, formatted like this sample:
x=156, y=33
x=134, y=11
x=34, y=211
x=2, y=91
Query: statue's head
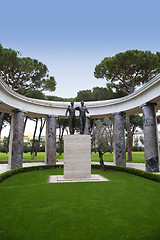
x=72, y=103
x=82, y=102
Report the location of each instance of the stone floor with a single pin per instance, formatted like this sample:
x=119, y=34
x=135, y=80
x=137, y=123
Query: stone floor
x=61, y=179
x=6, y=167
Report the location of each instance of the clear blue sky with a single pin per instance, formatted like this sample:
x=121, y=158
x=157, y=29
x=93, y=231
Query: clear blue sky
x=71, y=37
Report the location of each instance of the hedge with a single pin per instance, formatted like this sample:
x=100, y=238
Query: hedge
x=15, y=171
x=137, y=172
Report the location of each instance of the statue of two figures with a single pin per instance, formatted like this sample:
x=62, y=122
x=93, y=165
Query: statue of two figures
x=82, y=117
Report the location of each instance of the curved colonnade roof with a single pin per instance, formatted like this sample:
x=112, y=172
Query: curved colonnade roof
x=149, y=92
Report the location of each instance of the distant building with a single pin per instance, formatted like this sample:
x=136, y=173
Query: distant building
x=138, y=138
x=29, y=137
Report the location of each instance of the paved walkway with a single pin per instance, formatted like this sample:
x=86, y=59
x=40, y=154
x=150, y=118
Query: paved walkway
x=6, y=167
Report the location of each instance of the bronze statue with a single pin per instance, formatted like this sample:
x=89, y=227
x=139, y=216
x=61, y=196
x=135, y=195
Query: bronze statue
x=82, y=116
x=72, y=118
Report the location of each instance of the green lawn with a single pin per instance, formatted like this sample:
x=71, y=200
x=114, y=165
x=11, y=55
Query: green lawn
x=27, y=157
x=138, y=157
x=126, y=208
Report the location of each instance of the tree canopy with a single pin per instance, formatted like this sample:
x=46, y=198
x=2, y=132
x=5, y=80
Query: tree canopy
x=102, y=137
x=97, y=94
x=24, y=75
x=60, y=99
x=127, y=70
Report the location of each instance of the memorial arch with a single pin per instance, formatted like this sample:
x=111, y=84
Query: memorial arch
x=145, y=100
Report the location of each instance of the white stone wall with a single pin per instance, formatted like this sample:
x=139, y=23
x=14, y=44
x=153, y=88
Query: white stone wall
x=149, y=92
x=77, y=156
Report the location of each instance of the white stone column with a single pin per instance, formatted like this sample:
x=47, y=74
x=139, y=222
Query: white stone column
x=150, y=138
x=50, y=147
x=119, y=139
x=16, y=139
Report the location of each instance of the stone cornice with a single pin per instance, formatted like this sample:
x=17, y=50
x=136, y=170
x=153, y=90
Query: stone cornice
x=149, y=92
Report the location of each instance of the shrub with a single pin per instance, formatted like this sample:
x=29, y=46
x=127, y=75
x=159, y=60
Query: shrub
x=137, y=172
x=2, y=149
x=26, y=147
x=15, y=171
x=137, y=149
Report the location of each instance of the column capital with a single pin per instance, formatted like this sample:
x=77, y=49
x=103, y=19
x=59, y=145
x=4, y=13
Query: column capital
x=51, y=115
x=19, y=110
x=147, y=104
x=118, y=113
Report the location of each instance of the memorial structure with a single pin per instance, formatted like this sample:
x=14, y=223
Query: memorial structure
x=82, y=116
x=72, y=118
x=77, y=148
x=77, y=156
x=145, y=100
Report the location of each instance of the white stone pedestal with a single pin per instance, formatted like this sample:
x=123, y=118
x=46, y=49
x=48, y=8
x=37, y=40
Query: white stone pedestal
x=77, y=156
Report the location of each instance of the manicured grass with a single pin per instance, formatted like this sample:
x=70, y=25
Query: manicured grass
x=107, y=157
x=27, y=157
x=127, y=207
x=138, y=157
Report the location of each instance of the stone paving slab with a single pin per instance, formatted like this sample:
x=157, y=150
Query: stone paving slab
x=61, y=179
x=6, y=167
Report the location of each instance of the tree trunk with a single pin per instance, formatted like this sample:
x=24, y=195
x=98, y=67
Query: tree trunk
x=101, y=161
x=25, y=122
x=1, y=120
x=59, y=126
x=111, y=141
x=129, y=138
x=61, y=132
x=7, y=146
x=39, y=137
x=34, y=135
x=61, y=139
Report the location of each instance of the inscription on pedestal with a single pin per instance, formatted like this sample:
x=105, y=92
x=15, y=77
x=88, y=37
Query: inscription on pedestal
x=77, y=156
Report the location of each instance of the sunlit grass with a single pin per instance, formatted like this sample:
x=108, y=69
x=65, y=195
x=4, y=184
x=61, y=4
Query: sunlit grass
x=126, y=207
x=138, y=157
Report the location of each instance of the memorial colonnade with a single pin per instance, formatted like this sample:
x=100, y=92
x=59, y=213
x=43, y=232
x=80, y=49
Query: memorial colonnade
x=17, y=136
x=146, y=100
x=150, y=138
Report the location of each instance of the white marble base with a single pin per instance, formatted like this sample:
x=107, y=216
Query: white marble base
x=61, y=179
x=77, y=156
